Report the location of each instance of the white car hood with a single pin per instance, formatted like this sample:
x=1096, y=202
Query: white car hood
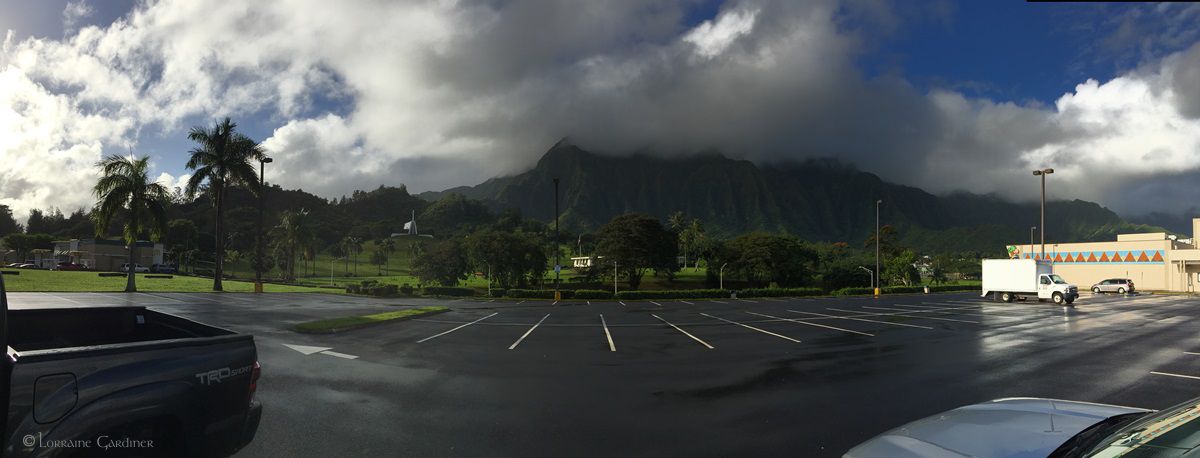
x=1013, y=427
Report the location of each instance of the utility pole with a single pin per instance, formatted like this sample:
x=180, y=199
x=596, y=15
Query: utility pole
x=258, y=248
x=557, y=264
x=875, y=278
x=1042, y=173
x=614, y=280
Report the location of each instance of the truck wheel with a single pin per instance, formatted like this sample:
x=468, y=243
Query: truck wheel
x=1058, y=298
x=1096, y=290
x=1006, y=297
x=1120, y=290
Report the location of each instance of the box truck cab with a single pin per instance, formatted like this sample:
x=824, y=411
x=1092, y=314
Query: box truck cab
x=1011, y=279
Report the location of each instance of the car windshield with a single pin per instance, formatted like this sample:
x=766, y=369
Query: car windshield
x=1176, y=428
x=1057, y=279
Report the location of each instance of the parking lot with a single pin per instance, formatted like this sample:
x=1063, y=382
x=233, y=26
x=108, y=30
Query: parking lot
x=797, y=376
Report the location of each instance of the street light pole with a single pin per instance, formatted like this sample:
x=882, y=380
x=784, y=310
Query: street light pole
x=869, y=272
x=1031, y=229
x=722, y=277
x=258, y=248
x=875, y=278
x=1042, y=173
x=557, y=264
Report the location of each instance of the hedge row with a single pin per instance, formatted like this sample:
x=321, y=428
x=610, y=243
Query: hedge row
x=373, y=289
x=677, y=294
x=447, y=291
x=592, y=294
x=538, y=293
x=852, y=291
x=780, y=292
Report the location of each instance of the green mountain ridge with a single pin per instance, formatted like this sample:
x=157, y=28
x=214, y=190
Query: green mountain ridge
x=819, y=200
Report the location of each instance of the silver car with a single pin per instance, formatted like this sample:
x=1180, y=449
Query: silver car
x=1114, y=285
x=1020, y=427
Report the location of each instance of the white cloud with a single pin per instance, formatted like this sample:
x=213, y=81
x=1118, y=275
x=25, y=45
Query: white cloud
x=435, y=93
x=75, y=12
x=711, y=38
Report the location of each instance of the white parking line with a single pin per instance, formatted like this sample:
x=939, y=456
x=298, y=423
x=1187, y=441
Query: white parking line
x=750, y=327
x=656, y=303
x=457, y=328
x=950, y=310
x=607, y=335
x=748, y=300
x=813, y=324
x=903, y=313
x=589, y=302
x=688, y=303
x=622, y=303
x=863, y=319
x=527, y=333
x=555, y=303
x=1191, y=353
x=339, y=355
x=519, y=303
x=697, y=339
x=907, y=313
x=1193, y=377
x=719, y=302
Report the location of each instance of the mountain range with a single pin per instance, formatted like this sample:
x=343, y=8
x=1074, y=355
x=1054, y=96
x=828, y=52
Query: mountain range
x=818, y=200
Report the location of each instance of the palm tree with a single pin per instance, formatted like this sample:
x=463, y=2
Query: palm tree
x=223, y=158
x=352, y=246
x=293, y=233
x=125, y=188
x=387, y=246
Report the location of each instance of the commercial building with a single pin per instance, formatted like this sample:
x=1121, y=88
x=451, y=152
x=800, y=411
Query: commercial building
x=1153, y=260
x=101, y=254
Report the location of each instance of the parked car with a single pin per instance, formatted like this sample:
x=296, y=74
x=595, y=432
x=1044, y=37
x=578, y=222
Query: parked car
x=27, y=266
x=70, y=266
x=1114, y=285
x=1043, y=427
x=124, y=373
x=163, y=269
x=13, y=264
x=137, y=268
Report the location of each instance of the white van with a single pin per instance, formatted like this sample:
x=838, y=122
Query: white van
x=1011, y=279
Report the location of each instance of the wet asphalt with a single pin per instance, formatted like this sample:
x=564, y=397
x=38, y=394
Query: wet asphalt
x=780, y=376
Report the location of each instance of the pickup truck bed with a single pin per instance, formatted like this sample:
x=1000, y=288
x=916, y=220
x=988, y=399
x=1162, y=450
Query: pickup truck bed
x=83, y=373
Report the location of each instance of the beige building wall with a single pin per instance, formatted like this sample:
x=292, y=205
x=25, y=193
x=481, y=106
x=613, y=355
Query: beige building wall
x=1151, y=260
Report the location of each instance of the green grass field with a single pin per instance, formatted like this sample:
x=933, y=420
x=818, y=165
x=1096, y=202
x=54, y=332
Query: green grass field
x=54, y=281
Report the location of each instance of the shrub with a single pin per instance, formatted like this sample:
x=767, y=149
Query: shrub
x=538, y=293
x=448, y=291
x=673, y=294
x=946, y=288
x=853, y=291
x=372, y=288
x=498, y=292
x=780, y=292
x=592, y=294
x=406, y=289
x=903, y=289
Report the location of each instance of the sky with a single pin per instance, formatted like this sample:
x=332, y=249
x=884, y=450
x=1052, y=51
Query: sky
x=942, y=95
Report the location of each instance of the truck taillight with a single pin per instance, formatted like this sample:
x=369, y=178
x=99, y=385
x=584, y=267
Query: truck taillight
x=254, y=374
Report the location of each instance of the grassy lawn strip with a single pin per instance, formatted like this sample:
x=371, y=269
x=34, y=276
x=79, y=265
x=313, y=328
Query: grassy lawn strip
x=333, y=325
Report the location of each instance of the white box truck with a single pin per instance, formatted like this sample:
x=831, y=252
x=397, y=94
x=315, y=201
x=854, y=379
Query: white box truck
x=1011, y=279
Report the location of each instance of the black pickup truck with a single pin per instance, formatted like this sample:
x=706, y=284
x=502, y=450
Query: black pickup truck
x=123, y=381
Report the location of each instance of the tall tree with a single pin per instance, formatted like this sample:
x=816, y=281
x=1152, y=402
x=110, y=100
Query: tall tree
x=444, y=263
x=387, y=246
x=636, y=243
x=8, y=224
x=223, y=158
x=125, y=190
x=295, y=234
